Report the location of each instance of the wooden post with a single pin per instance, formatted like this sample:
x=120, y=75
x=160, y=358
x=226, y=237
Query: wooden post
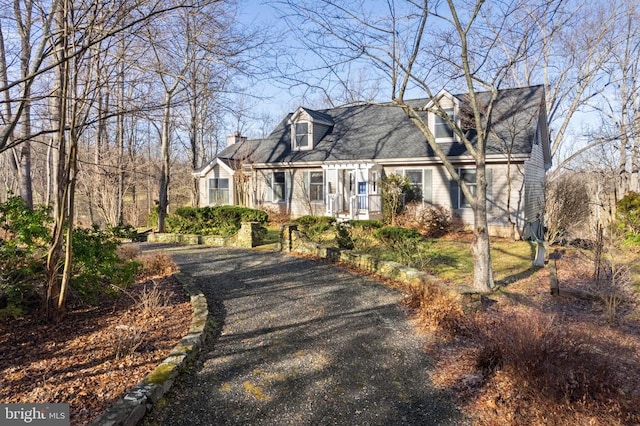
x=553, y=273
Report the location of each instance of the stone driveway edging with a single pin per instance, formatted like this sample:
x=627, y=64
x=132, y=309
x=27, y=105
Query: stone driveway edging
x=129, y=410
x=293, y=241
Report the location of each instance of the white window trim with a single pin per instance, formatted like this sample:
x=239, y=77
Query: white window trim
x=294, y=140
x=423, y=188
x=307, y=185
x=432, y=124
x=469, y=184
x=228, y=200
x=273, y=187
x=489, y=195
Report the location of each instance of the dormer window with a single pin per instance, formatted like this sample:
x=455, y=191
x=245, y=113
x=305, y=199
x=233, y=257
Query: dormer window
x=308, y=127
x=302, y=136
x=441, y=129
x=443, y=104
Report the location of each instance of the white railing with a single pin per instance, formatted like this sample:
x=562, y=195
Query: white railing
x=332, y=205
x=353, y=206
x=363, y=202
x=356, y=205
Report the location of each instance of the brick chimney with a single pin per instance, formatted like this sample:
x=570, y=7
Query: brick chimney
x=235, y=138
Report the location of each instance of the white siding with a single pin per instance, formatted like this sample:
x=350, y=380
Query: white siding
x=497, y=209
x=300, y=204
x=504, y=206
x=534, y=184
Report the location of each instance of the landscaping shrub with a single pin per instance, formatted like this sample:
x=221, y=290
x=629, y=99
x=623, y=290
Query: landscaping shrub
x=343, y=237
x=405, y=246
x=277, y=216
x=313, y=227
x=547, y=368
x=437, y=310
x=394, y=236
x=369, y=224
x=122, y=232
x=396, y=192
x=361, y=233
x=218, y=220
x=23, y=227
x=155, y=265
x=430, y=220
x=628, y=215
x=23, y=244
x=567, y=211
x=97, y=265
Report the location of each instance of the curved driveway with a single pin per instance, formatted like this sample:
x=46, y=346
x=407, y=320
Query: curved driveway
x=300, y=342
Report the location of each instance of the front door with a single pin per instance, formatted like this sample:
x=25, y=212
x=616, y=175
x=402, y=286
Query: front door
x=362, y=196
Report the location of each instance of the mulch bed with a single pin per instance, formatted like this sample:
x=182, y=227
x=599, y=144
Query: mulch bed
x=96, y=354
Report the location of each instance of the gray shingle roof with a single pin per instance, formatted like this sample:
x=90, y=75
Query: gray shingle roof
x=383, y=132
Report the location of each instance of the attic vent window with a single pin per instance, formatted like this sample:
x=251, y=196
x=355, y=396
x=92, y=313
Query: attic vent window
x=441, y=128
x=302, y=135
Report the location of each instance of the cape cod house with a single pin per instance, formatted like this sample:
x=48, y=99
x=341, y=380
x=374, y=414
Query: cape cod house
x=331, y=161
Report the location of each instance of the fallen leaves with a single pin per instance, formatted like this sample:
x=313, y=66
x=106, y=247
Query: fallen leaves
x=95, y=355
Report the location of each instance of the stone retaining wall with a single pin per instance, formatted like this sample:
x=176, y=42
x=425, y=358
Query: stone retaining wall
x=247, y=237
x=293, y=241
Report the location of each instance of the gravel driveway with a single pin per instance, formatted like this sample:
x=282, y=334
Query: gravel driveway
x=300, y=342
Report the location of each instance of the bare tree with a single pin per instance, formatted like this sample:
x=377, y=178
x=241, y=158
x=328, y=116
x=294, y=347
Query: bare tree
x=75, y=91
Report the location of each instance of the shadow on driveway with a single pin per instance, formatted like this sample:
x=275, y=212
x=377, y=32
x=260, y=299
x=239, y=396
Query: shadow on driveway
x=300, y=342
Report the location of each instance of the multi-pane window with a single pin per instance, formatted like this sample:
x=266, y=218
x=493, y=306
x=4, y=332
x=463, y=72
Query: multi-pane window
x=218, y=191
x=458, y=200
x=302, y=135
x=278, y=186
x=469, y=177
x=420, y=181
x=415, y=180
x=316, y=186
x=441, y=128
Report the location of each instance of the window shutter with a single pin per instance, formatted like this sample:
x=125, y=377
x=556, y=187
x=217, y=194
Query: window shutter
x=454, y=194
x=427, y=191
x=211, y=188
x=305, y=184
x=288, y=186
x=269, y=182
x=489, y=176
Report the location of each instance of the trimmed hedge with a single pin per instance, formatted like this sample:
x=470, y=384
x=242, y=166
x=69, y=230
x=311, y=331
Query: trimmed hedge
x=314, y=226
x=218, y=220
x=366, y=224
x=395, y=235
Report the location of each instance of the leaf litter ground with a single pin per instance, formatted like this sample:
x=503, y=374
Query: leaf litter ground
x=96, y=354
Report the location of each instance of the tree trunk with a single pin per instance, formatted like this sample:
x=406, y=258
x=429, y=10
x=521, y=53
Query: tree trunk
x=120, y=142
x=480, y=249
x=25, y=182
x=59, y=119
x=163, y=200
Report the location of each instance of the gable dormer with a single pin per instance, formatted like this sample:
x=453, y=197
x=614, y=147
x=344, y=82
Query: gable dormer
x=443, y=103
x=308, y=127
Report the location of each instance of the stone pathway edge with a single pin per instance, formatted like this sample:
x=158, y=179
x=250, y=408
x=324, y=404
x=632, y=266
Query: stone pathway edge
x=130, y=409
